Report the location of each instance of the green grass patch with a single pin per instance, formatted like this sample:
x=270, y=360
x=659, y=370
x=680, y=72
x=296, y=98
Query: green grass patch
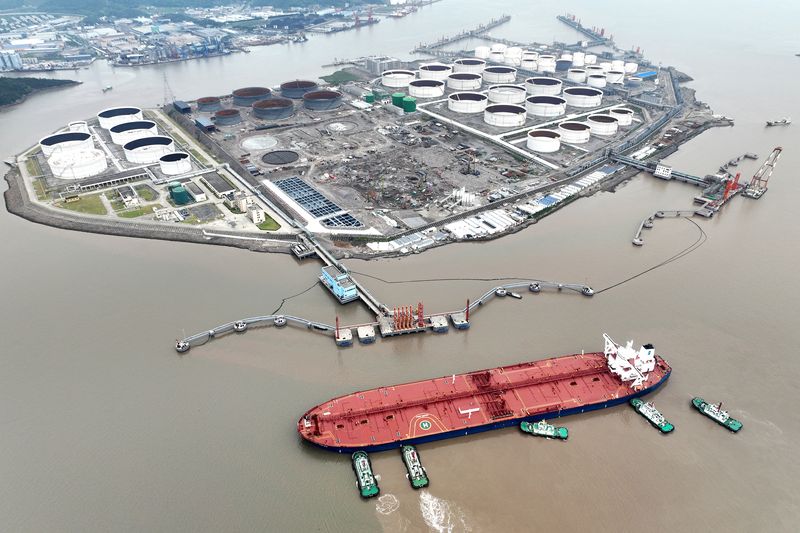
x=339, y=77
x=91, y=205
x=146, y=193
x=191, y=219
x=38, y=188
x=269, y=224
x=33, y=167
x=134, y=213
x=117, y=205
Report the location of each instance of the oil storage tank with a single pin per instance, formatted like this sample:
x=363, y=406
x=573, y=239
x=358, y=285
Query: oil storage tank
x=578, y=59
x=397, y=78
x=602, y=124
x=499, y=74
x=467, y=102
x=505, y=115
x=563, y=65
x=426, y=88
x=464, y=81
x=574, y=132
x=78, y=164
x=209, y=104
x=482, y=52
x=66, y=142
x=435, y=71
x=623, y=115
x=547, y=63
x=544, y=141
x=596, y=80
x=227, y=117
x=117, y=115
x=128, y=131
x=247, y=96
x=175, y=163
x=631, y=67
x=148, y=149
x=507, y=94
x=471, y=64
x=543, y=85
x=273, y=109
x=322, y=100
x=295, y=89
x=615, y=77
x=577, y=75
x=583, y=96
x=78, y=125
x=545, y=106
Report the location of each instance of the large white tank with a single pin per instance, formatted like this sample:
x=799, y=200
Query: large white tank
x=505, y=115
x=566, y=57
x=578, y=59
x=397, y=78
x=469, y=64
x=615, y=77
x=590, y=59
x=464, y=81
x=77, y=165
x=530, y=54
x=513, y=54
x=578, y=75
x=66, y=142
x=499, y=75
x=175, y=163
x=618, y=65
x=482, y=52
x=606, y=66
x=545, y=106
x=117, y=115
x=602, y=125
x=498, y=47
x=467, y=102
x=148, y=149
x=594, y=69
x=583, y=96
x=529, y=64
x=543, y=85
x=426, y=88
x=574, y=132
x=631, y=68
x=547, y=63
x=544, y=141
x=128, y=131
x=623, y=115
x=435, y=71
x=497, y=57
x=596, y=80
x=507, y=94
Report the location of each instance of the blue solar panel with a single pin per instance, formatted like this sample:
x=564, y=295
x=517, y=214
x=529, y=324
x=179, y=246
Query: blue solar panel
x=315, y=203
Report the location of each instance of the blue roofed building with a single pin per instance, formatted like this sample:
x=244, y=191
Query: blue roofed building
x=339, y=283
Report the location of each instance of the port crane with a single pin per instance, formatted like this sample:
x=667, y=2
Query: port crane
x=758, y=183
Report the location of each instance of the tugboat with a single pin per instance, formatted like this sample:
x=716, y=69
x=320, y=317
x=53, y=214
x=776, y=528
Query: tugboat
x=649, y=411
x=515, y=295
x=107, y=88
x=782, y=122
x=417, y=475
x=366, y=482
x=543, y=429
x=716, y=413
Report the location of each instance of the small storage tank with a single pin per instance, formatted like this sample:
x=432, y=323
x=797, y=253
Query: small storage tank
x=633, y=82
x=227, y=117
x=369, y=98
x=507, y=94
x=209, y=104
x=79, y=164
x=409, y=104
x=498, y=47
x=80, y=126
x=578, y=59
x=618, y=65
x=590, y=59
x=545, y=106
x=563, y=65
x=322, y=100
x=544, y=141
x=117, y=115
x=578, y=75
x=397, y=78
x=464, y=81
x=295, y=89
x=247, y=96
x=175, y=163
x=275, y=108
x=66, y=142
x=497, y=57
x=435, y=71
x=594, y=69
x=541, y=85
x=596, y=80
x=179, y=194
x=482, y=52
x=426, y=88
x=631, y=68
x=605, y=65
x=148, y=150
x=473, y=65
x=583, y=96
x=574, y=132
x=602, y=125
x=547, y=63
x=513, y=56
x=505, y=115
x=529, y=64
x=128, y=131
x=499, y=74
x=615, y=77
x=467, y=102
x=623, y=115
x=397, y=99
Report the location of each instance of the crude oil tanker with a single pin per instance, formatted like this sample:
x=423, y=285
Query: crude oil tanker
x=461, y=404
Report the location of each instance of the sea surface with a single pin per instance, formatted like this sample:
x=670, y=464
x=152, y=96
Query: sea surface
x=104, y=428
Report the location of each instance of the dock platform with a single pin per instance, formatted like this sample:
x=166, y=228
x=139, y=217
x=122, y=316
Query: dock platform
x=366, y=334
x=439, y=324
x=459, y=320
x=344, y=337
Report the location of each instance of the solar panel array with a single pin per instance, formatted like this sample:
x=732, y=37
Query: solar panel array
x=342, y=221
x=315, y=203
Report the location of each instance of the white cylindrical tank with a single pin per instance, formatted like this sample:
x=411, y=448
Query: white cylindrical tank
x=633, y=82
x=596, y=80
x=435, y=71
x=529, y=64
x=467, y=102
x=128, y=131
x=482, y=52
x=79, y=126
x=545, y=106
x=426, y=88
x=507, y=94
x=578, y=75
x=505, y=115
x=574, y=132
x=602, y=125
x=547, y=63
x=590, y=59
x=514, y=54
x=631, y=68
x=498, y=47
x=77, y=165
x=464, y=81
x=530, y=54
x=497, y=57
x=594, y=69
x=397, y=78
x=66, y=142
x=623, y=115
x=175, y=163
x=566, y=57
x=148, y=149
x=615, y=77
x=470, y=64
x=117, y=115
x=583, y=96
x=499, y=75
x=618, y=65
x=544, y=141
x=578, y=59
x=606, y=66
x=542, y=85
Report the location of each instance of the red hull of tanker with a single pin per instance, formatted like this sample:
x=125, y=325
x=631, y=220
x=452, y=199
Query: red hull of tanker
x=449, y=406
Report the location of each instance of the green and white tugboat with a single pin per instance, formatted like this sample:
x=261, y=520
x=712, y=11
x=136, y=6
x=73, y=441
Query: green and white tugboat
x=365, y=478
x=649, y=411
x=417, y=475
x=543, y=429
x=717, y=414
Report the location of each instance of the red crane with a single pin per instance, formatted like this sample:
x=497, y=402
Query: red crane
x=730, y=186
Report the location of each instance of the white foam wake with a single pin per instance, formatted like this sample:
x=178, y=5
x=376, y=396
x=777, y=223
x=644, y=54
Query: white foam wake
x=387, y=504
x=442, y=516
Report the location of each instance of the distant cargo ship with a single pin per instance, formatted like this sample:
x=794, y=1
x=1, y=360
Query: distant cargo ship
x=461, y=404
x=782, y=122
